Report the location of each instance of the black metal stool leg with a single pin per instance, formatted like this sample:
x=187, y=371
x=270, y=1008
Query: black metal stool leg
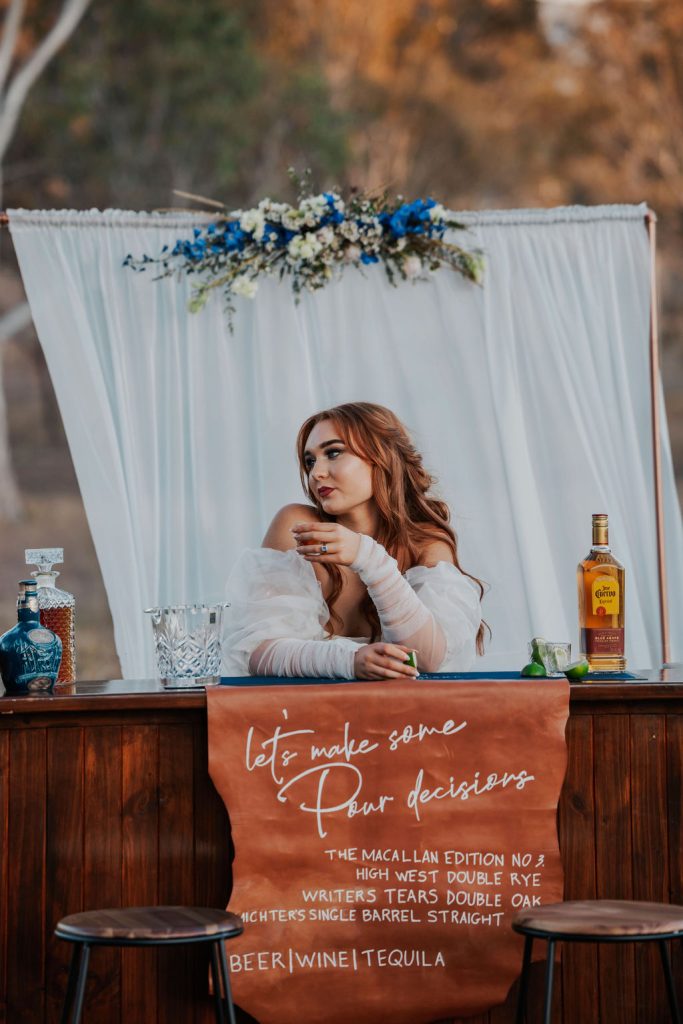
x=670, y=987
x=549, y=968
x=71, y=984
x=215, y=978
x=226, y=982
x=80, y=984
x=524, y=980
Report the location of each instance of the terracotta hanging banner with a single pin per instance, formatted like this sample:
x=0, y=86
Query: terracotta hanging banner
x=385, y=833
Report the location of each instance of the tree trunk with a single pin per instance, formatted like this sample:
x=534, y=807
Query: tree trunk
x=10, y=503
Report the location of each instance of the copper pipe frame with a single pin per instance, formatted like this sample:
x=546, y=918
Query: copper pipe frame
x=651, y=225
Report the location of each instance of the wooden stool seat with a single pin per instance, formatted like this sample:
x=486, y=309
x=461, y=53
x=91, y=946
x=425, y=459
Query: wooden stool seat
x=148, y=926
x=153, y=925
x=602, y=919
x=596, y=921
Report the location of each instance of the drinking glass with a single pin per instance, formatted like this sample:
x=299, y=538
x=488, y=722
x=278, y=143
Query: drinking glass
x=556, y=656
x=187, y=642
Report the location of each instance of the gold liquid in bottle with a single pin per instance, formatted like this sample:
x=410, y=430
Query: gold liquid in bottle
x=57, y=607
x=601, y=579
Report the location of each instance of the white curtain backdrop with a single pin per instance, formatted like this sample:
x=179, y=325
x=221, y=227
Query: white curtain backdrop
x=529, y=397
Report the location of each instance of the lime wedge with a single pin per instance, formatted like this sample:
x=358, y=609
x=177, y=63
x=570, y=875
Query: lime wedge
x=533, y=669
x=536, y=646
x=577, y=670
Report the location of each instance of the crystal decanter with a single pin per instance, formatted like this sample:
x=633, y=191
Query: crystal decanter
x=57, y=607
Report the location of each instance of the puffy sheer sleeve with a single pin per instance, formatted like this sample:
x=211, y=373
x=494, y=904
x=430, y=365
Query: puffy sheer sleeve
x=453, y=600
x=275, y=622
x=435, y=609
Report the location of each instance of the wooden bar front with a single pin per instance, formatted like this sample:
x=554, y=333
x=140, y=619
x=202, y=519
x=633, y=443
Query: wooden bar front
x=105, y=800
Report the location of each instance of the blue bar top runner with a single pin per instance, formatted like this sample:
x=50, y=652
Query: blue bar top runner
x=450, y=676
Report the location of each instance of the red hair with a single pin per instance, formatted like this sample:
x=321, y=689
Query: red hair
x=408, y=517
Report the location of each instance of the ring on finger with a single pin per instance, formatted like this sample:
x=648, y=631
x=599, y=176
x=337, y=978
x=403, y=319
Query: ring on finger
x=323, y=549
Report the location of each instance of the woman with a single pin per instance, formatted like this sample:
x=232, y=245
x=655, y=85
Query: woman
x=325, y=595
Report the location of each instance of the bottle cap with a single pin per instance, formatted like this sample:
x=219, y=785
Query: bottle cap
x=44, y=558
x=27, y=586
x=600, y=528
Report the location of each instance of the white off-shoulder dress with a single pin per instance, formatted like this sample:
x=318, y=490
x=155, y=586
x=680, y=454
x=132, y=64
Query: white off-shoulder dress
x=276, y=595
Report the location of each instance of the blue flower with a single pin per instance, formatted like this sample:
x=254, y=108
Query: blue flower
x=234, y=239
x=398, y=222
x=365, y=257
x=409, y=219
x=192, y=251
x=333, y=217
x=282, y=235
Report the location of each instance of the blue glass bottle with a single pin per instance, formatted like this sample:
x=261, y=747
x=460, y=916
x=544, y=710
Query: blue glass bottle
x=29, y=653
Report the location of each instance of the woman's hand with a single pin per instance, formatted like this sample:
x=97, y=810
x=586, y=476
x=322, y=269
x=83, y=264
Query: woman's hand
x=383, y=661
x=326, y=542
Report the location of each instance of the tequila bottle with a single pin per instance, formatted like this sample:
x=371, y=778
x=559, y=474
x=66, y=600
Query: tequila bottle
x=57, y=607
x=602, y=612
x=29, y=653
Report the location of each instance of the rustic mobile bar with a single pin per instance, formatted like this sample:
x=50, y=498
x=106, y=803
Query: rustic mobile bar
x=105, y=800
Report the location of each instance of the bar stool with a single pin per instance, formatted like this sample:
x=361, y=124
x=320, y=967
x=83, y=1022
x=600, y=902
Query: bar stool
x=597, y=921
x=148, y=926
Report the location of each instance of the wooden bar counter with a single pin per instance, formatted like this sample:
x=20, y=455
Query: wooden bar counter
x=105, y=800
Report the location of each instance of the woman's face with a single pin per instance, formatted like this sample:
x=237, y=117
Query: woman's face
x=340, y=480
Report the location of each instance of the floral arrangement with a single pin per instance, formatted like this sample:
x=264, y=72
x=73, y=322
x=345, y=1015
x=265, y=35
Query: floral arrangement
x=311, y=242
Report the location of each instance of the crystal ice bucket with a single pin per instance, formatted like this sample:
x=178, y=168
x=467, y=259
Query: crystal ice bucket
x=187, y=641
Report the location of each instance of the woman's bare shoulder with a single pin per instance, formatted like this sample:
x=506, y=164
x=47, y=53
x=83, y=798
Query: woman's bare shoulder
x=279, y=533
x=435, y=551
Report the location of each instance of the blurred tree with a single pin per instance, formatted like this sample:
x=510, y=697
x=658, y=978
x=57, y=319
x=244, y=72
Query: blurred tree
x=162, y=94
x=25, y=52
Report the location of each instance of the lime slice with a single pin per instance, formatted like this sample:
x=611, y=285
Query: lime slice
x=577, y=670
x=533, y=669
x=412, y=659
x=560, y=657
x=536, y=646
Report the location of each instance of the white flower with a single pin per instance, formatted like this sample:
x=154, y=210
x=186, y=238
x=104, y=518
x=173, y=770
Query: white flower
x=273, y=211
x=370, y=226
x=412, y=266
x=437, y=212
x=349, y=229
x=401, y=243
x=326, y=235
x=317, y=204
x=292, y=219
x=245, y=286
x=312, y=209
x=352, y=253
x=304, y=247
x=253, y=221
